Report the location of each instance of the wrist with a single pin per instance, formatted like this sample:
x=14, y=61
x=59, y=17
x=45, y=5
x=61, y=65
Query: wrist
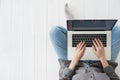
x=74, y=63
x=104, y=62
x=102, y=58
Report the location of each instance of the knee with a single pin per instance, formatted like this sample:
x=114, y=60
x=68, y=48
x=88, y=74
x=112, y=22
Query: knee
x=55, y=31
x=116, y=28
x=115, y=33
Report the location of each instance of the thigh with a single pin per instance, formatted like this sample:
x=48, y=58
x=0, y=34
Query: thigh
x=115, y=42
x=58, y=36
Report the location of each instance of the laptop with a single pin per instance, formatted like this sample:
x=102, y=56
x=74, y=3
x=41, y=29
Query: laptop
x=87, y=30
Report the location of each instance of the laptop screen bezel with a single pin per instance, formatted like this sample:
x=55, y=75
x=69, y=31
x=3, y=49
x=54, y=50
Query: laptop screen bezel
x=108, y=27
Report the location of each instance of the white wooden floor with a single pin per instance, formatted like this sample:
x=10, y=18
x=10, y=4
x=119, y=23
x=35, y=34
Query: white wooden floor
x=23, y=39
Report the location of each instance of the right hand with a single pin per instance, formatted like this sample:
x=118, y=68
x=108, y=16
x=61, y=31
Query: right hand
x=98, y=48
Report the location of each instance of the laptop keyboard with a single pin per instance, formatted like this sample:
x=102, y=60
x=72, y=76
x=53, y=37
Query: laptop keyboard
x=76, y=38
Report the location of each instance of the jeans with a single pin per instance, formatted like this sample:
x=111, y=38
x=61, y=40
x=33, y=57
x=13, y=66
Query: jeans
x=58, y=36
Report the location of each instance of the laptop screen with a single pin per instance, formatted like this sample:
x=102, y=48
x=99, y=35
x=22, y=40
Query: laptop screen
x=90, y=24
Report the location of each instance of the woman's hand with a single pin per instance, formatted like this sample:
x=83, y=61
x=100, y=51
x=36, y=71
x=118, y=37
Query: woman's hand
x=79, y=52
x=80, y=49
x=99, y=50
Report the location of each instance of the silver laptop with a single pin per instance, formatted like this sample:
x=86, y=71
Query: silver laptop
x=87, y=30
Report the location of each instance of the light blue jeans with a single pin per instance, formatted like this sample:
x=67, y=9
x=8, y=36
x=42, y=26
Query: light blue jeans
x=58, y=36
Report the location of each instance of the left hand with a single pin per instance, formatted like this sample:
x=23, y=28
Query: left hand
x=80, y=49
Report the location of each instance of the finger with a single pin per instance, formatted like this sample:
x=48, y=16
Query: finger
x=95, y=45
x=78, y=45
x=100, y=42
x=82, y=44
x=83, y=49
x=96, y=40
